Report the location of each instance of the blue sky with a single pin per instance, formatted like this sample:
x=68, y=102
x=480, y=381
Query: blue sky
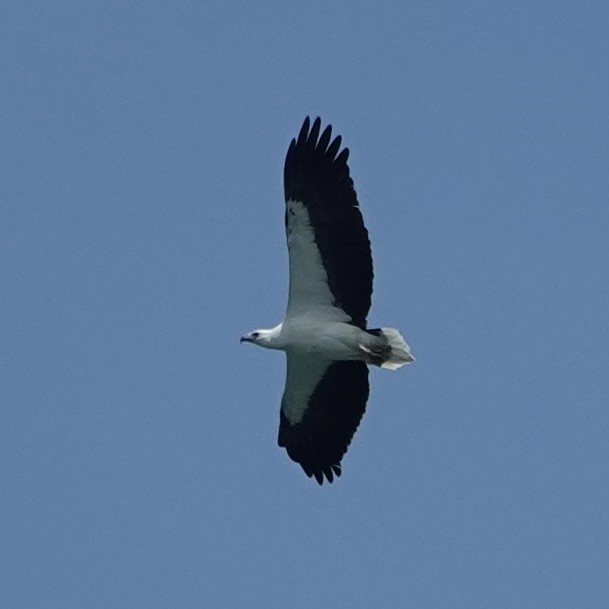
x=141, y=154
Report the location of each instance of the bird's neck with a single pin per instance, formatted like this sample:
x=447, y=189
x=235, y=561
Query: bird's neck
x=274, y=338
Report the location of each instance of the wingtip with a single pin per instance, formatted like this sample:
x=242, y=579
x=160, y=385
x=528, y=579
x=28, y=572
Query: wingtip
x=326, y=475
x=304, y=131
x=314, y=133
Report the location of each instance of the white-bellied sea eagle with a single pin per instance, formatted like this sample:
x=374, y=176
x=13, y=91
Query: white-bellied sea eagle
x=324, y=333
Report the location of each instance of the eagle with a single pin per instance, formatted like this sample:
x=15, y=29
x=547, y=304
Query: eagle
x=325, y=335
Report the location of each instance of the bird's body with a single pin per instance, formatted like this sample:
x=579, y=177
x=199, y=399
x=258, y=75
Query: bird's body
x=308, y=336
x=324, y=333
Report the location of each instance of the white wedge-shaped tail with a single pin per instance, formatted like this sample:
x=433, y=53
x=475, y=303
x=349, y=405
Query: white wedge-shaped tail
x=400, y=354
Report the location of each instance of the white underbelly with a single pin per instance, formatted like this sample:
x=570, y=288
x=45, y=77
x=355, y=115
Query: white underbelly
x=333, y=341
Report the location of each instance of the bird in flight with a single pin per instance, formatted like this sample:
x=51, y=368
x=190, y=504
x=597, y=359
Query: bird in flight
x=324, y=334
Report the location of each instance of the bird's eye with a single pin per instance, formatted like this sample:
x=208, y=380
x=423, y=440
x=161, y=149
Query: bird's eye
x=255, y=334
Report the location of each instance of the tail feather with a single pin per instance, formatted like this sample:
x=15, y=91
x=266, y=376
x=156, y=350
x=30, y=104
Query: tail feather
x=399, y=354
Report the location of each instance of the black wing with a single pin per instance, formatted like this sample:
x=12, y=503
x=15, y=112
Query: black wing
x=317, y=175
x=317, y=432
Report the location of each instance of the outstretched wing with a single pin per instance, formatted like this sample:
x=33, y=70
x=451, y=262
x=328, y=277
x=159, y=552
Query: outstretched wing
x=322, y=406
x=330, y=259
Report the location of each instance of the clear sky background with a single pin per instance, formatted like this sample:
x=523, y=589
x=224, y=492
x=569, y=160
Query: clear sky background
x=141, y=233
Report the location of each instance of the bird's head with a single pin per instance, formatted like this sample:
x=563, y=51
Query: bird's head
x=263, y=338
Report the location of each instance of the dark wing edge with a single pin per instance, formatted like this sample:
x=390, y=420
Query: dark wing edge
x=335, y=408
x=316, y=174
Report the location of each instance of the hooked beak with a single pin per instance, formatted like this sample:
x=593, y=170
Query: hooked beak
x=245, y=339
